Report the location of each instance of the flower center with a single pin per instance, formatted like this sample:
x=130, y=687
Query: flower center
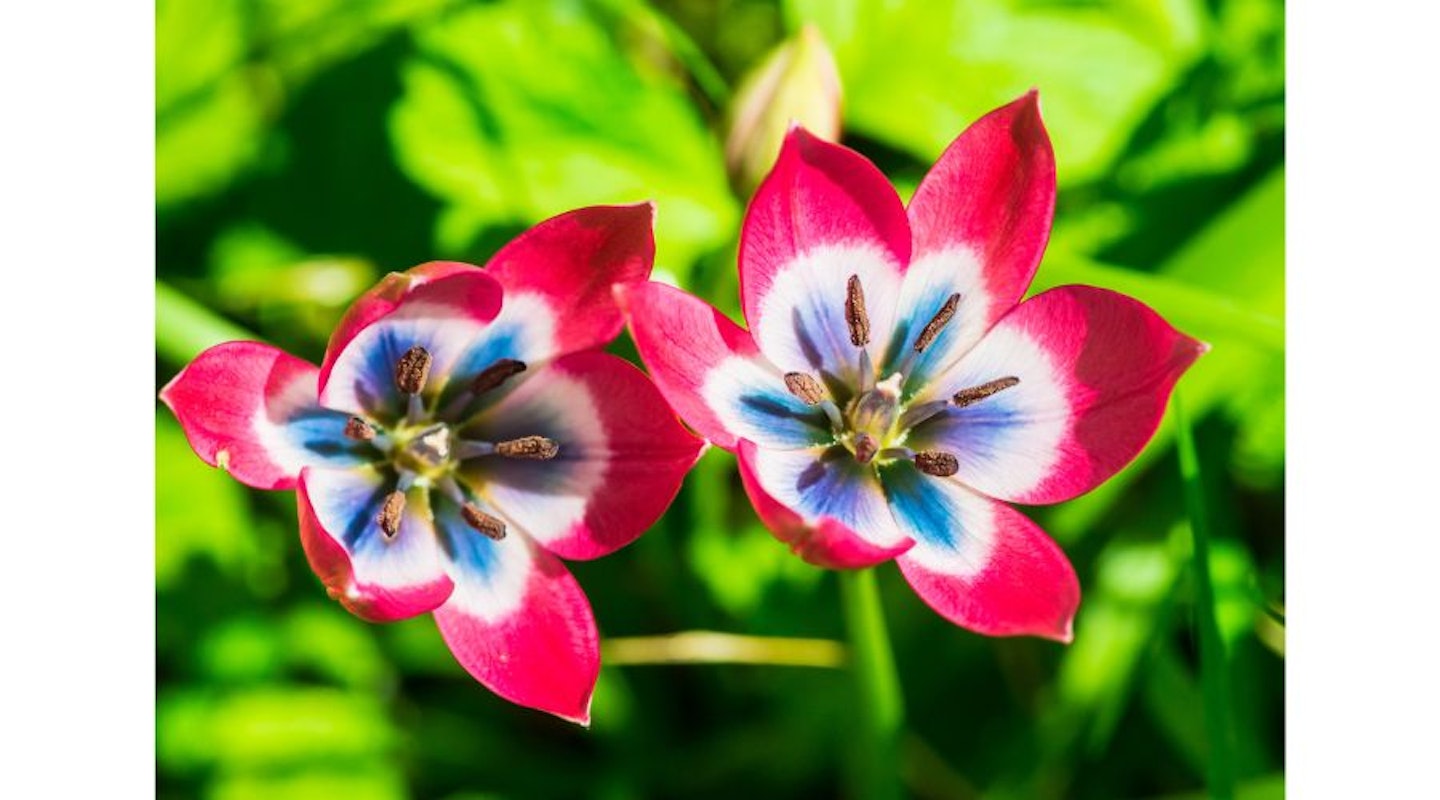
x=876, y=422
x=871, y=418
x=425, y=450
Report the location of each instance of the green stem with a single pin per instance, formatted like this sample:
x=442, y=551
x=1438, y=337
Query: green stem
x=1220, y=770
x=881, y=708
x=184, y=327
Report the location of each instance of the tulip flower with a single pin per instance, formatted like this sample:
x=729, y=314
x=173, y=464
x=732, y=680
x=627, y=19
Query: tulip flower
x=893, y=394
x=463, y=433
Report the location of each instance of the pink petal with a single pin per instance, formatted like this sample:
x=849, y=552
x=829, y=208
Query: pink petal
x=567, y=265
x=381, y=299
x=827, y=508
x=251, y=409
x=708, y=368
x=520, y=624
x=981, y=219
x=446, y=315
x=979, y=563
x=823, y=213
x=1095, y=368
x=377, y=578
x=622, y=455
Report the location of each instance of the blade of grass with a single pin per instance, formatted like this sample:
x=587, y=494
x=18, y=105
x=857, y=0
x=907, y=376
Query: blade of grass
x=1220, y=769
x=882, y=711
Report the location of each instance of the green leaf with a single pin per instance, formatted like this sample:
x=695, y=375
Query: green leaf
x=1202, y=313
x=269, y=728
x=352, y=782
x=515, y=112
x=184, y=328
x=200, y=512
x=226, y=69
x=917, y=73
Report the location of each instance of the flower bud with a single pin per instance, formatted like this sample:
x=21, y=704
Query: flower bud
x=797, y=83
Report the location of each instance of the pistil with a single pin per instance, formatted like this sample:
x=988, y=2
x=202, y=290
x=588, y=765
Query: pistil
x=865, y=447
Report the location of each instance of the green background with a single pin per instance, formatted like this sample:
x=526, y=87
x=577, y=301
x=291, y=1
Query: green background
x=303, y=149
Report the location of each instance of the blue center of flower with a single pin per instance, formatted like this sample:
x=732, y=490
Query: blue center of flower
x=424, y=449
x=875, y=422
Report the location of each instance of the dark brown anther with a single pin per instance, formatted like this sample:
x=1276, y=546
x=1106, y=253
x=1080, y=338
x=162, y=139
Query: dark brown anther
x=390, y=513
x=804, y=387
x=865, y=447
x=536, y=447
x=937, y=323
x=973, y=395
x=496, y=374
x=480, y=521
x=412, y=370
x=855, y=315
x=937, y=463
x=359, y=430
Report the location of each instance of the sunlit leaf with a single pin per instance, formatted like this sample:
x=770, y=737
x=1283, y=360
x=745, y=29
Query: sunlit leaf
x=514, y=112
x=200, y=512
x=226, y=69
x=363, y=782
x=329, y=641
x=270, y=728
x=916, y=73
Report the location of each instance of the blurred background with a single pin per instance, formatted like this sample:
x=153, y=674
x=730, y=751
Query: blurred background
x=303, y=149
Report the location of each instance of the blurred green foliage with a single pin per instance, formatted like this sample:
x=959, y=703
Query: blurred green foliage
x=305, y=148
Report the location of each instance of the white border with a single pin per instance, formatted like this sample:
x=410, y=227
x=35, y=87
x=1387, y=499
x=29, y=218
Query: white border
x=78, y=683
x=1362, y=535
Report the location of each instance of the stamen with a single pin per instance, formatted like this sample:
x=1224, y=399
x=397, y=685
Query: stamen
x=412, y=370
x=480, y=521
x=973, y=395
x=359, y=430
x=916, y=414
x=496, y=374
x=867, y=371
x=855, y=315
x=937, y=463
x=865, y=447
x=390, y=511
x=937, y=323
x=465, y=449
x=804, y=387
x=536, y=447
